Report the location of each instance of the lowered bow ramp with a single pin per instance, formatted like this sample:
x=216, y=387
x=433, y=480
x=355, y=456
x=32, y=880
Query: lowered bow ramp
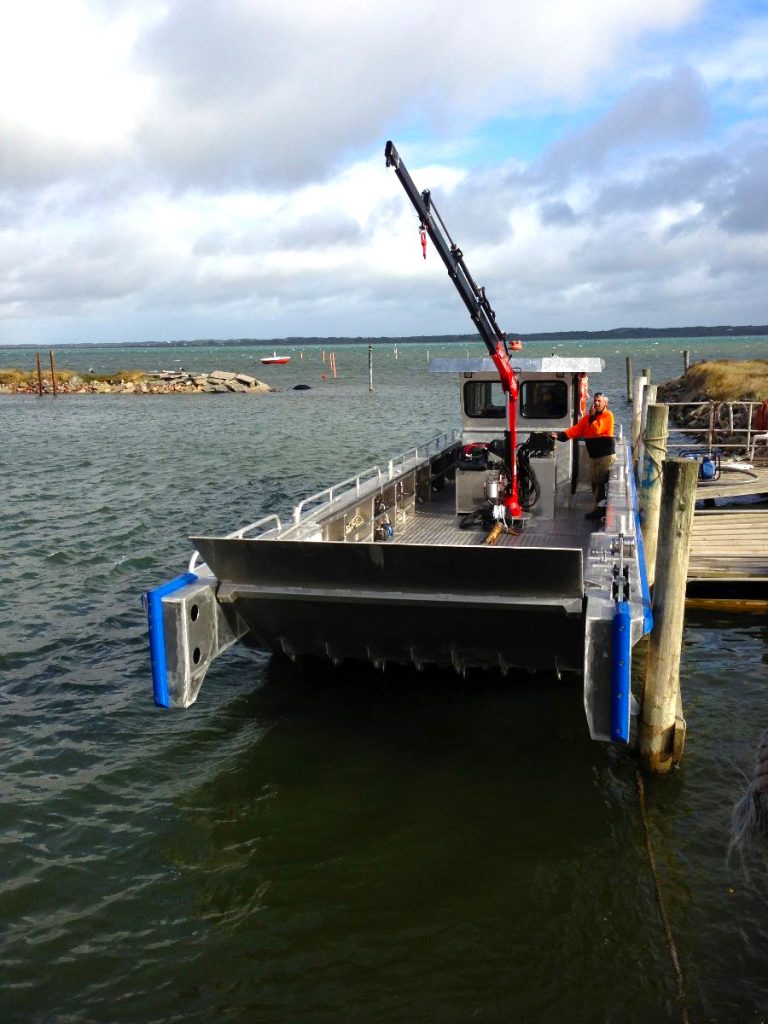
x=422, y=604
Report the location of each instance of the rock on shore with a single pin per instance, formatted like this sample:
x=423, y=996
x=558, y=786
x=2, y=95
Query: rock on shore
x=164, y=383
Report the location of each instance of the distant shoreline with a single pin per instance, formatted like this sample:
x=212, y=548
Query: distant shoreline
x=615, y=334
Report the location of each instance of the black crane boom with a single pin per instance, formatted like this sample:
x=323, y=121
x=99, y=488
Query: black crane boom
x=472, y=294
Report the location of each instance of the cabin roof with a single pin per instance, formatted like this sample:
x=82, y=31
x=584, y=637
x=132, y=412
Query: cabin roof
x=545, y=364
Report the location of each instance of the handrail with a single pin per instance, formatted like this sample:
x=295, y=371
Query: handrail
x=330, y=494
x=239, y=534
x=714, y=427
x=259, y=522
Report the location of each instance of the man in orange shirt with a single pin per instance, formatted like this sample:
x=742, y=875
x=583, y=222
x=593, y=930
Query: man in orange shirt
x=597, y=430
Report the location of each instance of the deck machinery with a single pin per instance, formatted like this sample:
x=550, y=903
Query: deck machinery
x=470, y=551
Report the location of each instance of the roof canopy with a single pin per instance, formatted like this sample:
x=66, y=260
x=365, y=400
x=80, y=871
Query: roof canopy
x=547, y=364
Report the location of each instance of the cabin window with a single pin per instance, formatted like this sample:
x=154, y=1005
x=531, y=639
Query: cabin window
x=544, y=399
x=484, y=399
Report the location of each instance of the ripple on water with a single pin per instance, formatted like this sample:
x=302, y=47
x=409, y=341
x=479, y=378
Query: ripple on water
x=323, y=845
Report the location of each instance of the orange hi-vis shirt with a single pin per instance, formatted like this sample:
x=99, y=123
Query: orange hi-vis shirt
x=597, y=432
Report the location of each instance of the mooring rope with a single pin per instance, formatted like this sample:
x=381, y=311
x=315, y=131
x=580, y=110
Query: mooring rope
x=749, y=822
x=662, y=906
x=655, y=448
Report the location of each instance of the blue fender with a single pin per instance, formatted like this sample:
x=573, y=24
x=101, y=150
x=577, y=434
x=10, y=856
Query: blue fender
x=157, y=635
x=621, y=665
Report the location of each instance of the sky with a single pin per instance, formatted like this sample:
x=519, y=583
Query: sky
x=189, y=169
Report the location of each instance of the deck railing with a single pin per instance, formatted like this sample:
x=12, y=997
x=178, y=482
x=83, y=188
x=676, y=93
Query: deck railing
x=719, y=426
x=316, y=502
x=260, y=525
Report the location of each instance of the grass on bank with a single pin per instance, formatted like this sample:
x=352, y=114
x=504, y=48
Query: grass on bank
x=10, y=377
x=729, y=380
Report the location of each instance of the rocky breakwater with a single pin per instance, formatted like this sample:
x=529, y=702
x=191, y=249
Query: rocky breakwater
x=219, y=382
x=165, y=382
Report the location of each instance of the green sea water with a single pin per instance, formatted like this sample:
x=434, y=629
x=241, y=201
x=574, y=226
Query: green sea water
x=330, y=845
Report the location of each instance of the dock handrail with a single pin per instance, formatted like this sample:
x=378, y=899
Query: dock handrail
x=394, y=467
x=714, y=425
x=239, y=534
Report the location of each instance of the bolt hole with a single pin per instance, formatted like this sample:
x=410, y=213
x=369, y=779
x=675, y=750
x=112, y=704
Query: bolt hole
x=196, y=655
x=194, y=611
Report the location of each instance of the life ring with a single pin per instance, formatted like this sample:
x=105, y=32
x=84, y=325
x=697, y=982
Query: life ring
x=583, y=394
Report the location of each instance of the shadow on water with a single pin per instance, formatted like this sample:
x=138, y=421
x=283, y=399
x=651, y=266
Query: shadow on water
x=412, y=846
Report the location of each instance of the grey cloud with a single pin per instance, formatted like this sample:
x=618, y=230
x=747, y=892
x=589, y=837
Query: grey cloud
x=29, y=161
x=654, y=111
x=731, y=186
x=556, y=212
x=249, y=95
x=321, y=230
x=745, y=206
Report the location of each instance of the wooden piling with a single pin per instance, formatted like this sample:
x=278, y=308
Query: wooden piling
x=662, y=727
x=637, y=408
x=53, y=374
x=39, y=377
x=686, y=359
x=370, y=368
x=647, y=374
x=629, y=379
x=649, y=482
x=649, y=397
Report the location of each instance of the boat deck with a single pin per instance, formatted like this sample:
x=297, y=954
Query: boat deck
x=436, y=522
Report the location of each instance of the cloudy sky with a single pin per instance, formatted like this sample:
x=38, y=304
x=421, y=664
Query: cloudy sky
x=214, y=168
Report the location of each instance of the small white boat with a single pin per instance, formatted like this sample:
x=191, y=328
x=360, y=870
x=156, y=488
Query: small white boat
x=275, y=359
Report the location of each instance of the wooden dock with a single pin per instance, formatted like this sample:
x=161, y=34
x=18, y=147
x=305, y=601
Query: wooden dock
x=729, y=544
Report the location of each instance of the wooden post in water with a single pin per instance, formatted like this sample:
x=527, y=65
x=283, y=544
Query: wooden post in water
x=39, y=377
x=647, y=375
x=662, y=727
x=53, y=374
x=649, y=397
x=370, y=368
x=649, y=483
x=637, y=408
x=629, y=379
x=686, y=360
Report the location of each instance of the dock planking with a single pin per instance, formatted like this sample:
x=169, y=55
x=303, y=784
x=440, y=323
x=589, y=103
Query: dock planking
x=729, y=544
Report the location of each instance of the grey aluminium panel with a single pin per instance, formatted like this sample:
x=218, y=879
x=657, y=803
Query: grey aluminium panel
x=505, y=607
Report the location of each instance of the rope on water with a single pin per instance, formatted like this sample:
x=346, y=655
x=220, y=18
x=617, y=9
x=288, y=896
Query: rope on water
x=749, y=822
x=662, y=906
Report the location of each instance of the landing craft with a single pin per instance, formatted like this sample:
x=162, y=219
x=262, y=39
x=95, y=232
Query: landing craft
x=469, y=551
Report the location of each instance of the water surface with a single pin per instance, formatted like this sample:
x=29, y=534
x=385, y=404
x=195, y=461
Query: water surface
x=325, y=845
